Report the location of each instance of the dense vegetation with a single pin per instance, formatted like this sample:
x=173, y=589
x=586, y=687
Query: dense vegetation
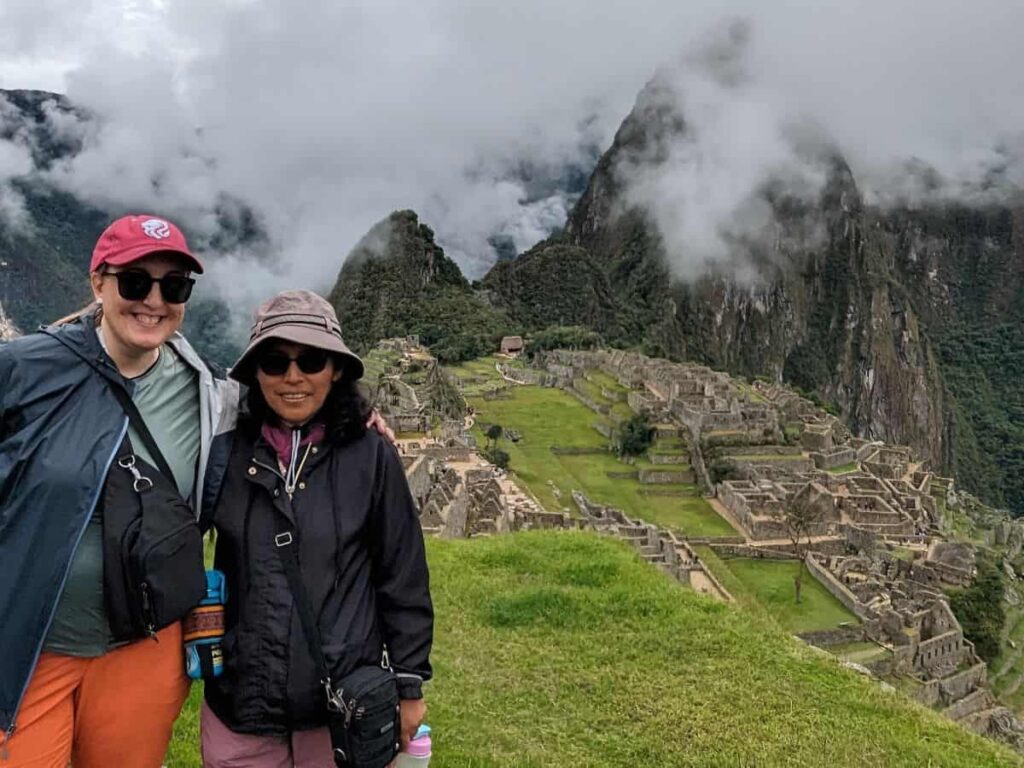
x=397, y=282
x=553, y=285
x=983, y=369
x=635, y=436
x=559, y=649
x=44, y=270
x=979, y=609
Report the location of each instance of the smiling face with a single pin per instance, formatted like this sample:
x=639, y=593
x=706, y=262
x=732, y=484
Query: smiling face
x=140, y=326
x=295, y=396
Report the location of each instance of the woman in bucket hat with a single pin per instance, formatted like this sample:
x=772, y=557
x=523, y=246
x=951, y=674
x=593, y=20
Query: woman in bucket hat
x=303, y=462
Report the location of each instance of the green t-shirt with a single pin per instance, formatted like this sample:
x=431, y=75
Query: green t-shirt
x=167, y=396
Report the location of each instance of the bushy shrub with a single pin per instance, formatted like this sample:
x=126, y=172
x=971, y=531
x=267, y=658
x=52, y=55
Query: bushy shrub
x=979, y=609
x=636, y=436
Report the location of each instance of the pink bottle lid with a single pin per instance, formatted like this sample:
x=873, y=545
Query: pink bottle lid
x=420, y=746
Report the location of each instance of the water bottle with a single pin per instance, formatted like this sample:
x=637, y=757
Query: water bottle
x=203, y=630
x=417, y=754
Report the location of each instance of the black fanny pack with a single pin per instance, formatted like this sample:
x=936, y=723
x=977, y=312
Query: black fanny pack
x=364, y=713
x=153, y=571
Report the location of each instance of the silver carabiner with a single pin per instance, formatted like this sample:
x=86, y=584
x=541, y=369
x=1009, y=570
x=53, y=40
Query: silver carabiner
x=142, y=483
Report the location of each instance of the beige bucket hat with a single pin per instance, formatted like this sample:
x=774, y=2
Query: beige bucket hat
x=304, y=318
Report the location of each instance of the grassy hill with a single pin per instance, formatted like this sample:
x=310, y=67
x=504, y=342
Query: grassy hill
x=557, y=649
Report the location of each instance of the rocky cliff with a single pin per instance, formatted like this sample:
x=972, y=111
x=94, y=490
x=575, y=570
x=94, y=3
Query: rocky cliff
x=861, y=306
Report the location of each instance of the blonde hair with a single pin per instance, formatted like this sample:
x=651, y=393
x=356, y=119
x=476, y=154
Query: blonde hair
x=94, y=308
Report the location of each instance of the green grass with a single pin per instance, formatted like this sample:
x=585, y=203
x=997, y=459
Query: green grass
x=479, y=376
x=771, y=582
x=547, y=417
x=562, y=648
x=671, y=446
x=377, y=361
x=861, y=653
x=843, y=469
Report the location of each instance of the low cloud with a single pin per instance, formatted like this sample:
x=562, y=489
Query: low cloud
x=322, y=117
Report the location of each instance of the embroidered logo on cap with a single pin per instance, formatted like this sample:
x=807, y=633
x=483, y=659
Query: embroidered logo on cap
x=158, y=229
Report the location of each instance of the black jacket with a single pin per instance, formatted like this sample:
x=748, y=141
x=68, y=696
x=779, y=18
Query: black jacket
x=362, y=559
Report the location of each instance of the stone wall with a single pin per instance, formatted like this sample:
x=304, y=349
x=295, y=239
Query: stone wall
x=959, y=685
x=660, y=476
x=568, y=450
x=600, y=408
x=974, y=702
x=939, y=651
x=756, y=553
x=668, y=458
x=420, y=481
x=454, y=515
x=854, y=633
x=834, y=459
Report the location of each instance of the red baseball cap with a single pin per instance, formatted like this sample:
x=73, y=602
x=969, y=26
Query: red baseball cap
x=131, y=237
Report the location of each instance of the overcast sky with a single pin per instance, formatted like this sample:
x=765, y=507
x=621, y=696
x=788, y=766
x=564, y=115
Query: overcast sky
x=326, y=115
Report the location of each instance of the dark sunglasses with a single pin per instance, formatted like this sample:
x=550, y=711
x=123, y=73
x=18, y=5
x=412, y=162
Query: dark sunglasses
x=135, y=285
x=278, y=363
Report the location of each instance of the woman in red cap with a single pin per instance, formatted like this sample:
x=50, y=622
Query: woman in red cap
x=111, y=426
x=80, y=681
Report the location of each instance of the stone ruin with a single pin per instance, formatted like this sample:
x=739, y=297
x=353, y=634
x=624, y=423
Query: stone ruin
x=876, y=538
x=880, y=501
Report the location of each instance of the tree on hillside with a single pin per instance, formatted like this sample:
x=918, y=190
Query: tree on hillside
x=636, y=436
x=498, y=458
x=563, y=337
x=493, y=434
x=799, y=517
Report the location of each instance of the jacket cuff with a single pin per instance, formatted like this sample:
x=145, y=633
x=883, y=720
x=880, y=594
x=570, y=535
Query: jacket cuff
x=410, y=687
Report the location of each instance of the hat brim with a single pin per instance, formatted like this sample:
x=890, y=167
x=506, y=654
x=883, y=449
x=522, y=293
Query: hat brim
x=141, y=251
x=244, y=370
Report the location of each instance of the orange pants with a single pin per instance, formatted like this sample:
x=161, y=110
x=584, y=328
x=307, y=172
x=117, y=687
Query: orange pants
x=113, y=711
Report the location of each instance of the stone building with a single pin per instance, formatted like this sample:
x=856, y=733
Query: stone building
x=512, y=345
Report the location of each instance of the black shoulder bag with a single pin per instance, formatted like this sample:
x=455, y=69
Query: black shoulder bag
x=153, y=570
x=364, y=714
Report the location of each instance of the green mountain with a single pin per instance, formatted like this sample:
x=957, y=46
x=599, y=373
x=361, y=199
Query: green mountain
x=398, y=282
x=558, y=284
x=907, y=321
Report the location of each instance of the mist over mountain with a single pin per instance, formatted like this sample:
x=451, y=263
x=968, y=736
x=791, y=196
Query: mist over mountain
x=824, y=199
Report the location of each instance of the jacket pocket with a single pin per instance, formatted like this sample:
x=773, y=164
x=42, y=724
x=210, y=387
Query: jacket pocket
x=172, y=578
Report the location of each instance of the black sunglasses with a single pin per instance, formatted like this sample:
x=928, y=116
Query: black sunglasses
x=135, y=285
x=278, y=363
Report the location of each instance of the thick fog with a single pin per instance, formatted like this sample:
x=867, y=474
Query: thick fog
x=322, y=117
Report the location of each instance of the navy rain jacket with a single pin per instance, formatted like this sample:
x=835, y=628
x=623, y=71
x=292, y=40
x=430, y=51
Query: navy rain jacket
x=60, y=427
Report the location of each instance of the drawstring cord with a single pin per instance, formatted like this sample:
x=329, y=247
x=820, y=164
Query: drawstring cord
x=291, y=477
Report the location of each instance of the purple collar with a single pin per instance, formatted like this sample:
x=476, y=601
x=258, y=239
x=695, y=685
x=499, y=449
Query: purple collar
x=280, y=439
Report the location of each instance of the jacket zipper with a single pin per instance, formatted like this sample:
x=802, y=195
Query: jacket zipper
x=63, y=581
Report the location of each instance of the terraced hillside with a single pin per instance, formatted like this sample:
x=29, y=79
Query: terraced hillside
x=562, y=445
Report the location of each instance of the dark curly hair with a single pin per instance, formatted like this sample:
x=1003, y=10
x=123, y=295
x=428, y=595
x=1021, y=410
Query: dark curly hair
x=344, y=412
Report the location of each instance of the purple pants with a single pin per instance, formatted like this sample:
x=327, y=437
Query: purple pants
x=223, y=748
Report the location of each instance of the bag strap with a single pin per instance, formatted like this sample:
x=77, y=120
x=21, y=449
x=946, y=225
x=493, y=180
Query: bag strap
x=286, y=545
x=136, y=420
